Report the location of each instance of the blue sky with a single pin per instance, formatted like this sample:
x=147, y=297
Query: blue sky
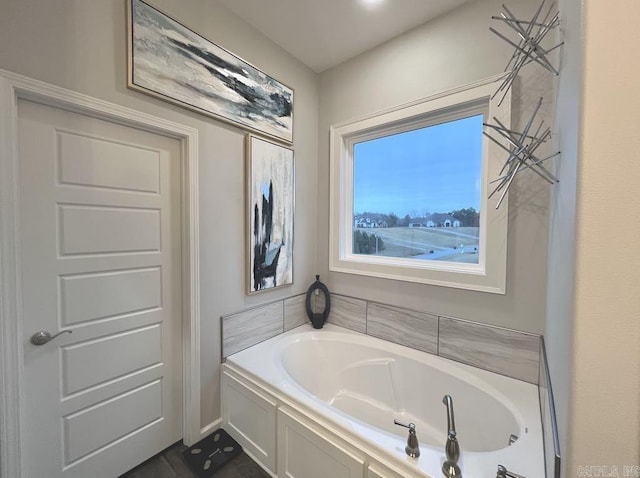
x=434, y=169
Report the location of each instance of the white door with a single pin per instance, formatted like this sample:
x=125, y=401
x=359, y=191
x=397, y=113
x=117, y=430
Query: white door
x=101, y=258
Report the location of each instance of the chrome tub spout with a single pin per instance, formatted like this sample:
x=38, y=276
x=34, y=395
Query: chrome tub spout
x=450, y=467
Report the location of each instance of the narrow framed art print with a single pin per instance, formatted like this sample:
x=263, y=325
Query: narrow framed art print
x=270, y=201
x=171, y=62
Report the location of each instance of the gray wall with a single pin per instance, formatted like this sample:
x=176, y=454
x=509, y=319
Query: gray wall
x=81, y=45
x=561, y=265
x=453, y=50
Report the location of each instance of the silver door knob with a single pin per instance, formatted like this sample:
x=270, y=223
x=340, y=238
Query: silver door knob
x=42, y=337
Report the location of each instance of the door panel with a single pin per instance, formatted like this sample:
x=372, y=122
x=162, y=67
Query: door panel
x=101, y=257
x=108, y=230
x=90, y=429
x=91, y=363
x=87, y=161
x=111, y=293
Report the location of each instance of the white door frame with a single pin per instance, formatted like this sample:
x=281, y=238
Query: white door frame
x=12, y=88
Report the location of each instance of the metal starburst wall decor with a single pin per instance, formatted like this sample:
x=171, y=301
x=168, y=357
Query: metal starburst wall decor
x=522, y=145
x=522, y=153
x=527, y=48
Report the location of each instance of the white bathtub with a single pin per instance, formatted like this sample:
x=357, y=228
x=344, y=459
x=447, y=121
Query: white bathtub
x=359, y=385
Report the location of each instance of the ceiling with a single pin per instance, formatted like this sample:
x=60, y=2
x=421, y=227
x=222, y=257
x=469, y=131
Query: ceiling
x=324, y=33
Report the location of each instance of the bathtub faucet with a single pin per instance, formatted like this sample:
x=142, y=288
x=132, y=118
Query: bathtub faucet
x=450, y=467
x=504, y=473
x=413, y=448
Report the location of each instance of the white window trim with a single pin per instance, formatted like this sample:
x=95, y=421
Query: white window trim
x=487, y=276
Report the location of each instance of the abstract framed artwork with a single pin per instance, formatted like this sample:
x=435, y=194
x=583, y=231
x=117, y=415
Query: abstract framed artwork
x=169, y=61
x=270, y=200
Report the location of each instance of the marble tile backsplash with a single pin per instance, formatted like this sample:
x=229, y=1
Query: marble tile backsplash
x=349, y=313
x=405, y=327
x=504, y=351
x=295, y=312
x=249, y=327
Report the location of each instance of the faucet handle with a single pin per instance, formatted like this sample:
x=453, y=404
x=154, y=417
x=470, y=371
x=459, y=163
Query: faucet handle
x=413, y=447
x=504, y=473
x=410, y=426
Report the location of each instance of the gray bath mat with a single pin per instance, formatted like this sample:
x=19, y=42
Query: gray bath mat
x=207, y=456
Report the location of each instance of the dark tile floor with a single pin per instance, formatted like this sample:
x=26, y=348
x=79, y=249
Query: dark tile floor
x=169, y=464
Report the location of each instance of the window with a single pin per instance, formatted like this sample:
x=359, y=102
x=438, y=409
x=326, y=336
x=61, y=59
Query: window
x=409, y=193
x=416, y=194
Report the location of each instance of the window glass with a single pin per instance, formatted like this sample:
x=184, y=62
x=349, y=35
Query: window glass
x=417, y=194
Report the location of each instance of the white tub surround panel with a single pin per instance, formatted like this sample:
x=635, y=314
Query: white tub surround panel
x=349, y=313
x=413, y=329
x=250, y=327
x=504, y=351
x=250, y=416
x=308, y=447
x=295, y=312
x=548, y=413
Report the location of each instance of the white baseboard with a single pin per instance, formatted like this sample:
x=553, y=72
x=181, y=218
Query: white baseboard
x=206, y=430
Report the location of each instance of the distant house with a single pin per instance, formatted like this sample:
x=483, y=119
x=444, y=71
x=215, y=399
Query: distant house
x=441, y=220
x=361, y=221
x=435, y=220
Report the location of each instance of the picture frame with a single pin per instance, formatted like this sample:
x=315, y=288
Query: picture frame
x=270, y=211
x=169, y=61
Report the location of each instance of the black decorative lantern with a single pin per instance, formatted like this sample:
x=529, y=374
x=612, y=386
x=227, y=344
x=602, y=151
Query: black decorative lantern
x=318, y=318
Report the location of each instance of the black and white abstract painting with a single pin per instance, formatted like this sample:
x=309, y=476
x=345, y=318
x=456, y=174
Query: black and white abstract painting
x=168, y=60
x=271, y=202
